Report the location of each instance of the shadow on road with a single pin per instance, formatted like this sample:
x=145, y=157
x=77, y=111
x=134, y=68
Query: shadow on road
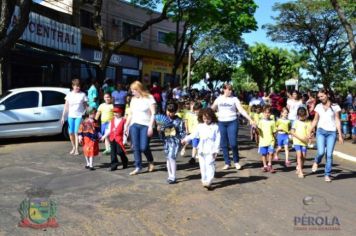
x=228, y=181
x=55, y=138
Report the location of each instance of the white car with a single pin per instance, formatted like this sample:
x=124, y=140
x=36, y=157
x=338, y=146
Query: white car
x=32, y=111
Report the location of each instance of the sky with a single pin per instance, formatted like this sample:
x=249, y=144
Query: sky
x=263, y=16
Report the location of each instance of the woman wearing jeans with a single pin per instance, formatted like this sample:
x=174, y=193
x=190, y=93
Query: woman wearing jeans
x=327, y=120
x=227, y=107
x=140, y=120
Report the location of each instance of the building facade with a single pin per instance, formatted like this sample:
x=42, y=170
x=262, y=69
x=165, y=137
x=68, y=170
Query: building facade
x=147, y=57
x=60, y=43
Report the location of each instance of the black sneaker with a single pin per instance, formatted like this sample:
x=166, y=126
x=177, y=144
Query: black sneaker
x=87, y=167
x=91, y=168
x=169, y=181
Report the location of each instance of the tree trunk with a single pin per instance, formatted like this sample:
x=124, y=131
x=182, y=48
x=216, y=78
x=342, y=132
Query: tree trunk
x=8, y=39
x=1, y=75
x=348, y=28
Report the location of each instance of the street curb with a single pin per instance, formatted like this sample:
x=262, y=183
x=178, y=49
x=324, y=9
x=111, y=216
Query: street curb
x=344, y=156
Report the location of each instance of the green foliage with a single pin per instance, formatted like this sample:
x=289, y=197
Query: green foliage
x=218, y=71
x=242, y=81
x=314, y=27
x=271, y=67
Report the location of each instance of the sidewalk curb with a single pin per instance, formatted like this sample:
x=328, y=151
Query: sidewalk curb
x=344, y=156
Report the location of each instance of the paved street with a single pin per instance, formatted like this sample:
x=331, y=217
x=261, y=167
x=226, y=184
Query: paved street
x=246, y=202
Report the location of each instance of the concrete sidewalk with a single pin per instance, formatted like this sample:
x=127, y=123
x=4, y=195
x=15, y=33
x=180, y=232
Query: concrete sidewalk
x=346, y=151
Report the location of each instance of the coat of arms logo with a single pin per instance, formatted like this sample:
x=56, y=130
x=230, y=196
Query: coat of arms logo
x=37, y=210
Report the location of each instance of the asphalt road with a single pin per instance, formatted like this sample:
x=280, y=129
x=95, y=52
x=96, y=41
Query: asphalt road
x=245, y=202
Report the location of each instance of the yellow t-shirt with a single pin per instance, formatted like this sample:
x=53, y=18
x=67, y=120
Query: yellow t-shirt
x=301, y=129
x=283, y=125
x=182, y=113
x=266, y=129
x=192, y=121
x=256, y=117
x=106, y=112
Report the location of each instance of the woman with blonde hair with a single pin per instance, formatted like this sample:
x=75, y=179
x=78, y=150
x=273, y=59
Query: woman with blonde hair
x=139, y=124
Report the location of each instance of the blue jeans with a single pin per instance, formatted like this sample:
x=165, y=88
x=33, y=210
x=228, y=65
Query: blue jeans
x=228, y=132
x=140, y=143
x=325, y=141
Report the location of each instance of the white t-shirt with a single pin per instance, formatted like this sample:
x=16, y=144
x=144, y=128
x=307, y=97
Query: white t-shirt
x=76, y=104
x=293, y=106
x=256, y=101
x=227, y=110
x=140, y=110
x=327, y=118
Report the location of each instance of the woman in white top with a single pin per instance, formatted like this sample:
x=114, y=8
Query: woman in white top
x=293, y=103
x=227, y=107
x=75, y=105
x=140, y=120
x=327, y=120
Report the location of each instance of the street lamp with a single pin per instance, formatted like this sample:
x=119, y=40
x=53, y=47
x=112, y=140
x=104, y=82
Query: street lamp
x=190, y=51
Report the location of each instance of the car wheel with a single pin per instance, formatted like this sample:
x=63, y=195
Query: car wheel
x=65, y=132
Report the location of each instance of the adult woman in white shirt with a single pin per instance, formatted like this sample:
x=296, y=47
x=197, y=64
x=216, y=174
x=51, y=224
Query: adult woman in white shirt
x=227, y=107
x=75, y=105
x=140, y=120
x=293, y=103
x=327, y=120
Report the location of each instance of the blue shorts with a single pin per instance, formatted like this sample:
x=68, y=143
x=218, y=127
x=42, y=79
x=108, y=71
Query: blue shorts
x=194, y=142
x=300, y=148
x=353, y=130
x=103, y=127
x=73, y=124
x=265, y=150
x=345, y=128
x=282, y=139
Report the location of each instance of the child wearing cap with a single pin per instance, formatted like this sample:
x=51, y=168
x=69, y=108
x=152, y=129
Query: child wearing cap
x=88, y=136
x=116, y=134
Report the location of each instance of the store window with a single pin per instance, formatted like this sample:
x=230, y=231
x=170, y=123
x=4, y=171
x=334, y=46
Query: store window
x=87, y=72
x=155, y=77
x=128, y=29
x=110, y=72
x=168, y=79
x=86, y=19
x=162, y=37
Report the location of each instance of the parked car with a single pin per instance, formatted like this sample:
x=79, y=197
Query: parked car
x=32, y=111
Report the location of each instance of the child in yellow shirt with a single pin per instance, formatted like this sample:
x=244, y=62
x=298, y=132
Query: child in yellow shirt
x=300, y=138
x=266, y=128
x=283, y=127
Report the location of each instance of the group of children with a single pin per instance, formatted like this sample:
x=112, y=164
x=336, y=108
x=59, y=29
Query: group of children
x=348, y=121
x=268, y=130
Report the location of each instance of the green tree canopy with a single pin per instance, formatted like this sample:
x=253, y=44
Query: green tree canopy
x=271, y=67
x=315, y=28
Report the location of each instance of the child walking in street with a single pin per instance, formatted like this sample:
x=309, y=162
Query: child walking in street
x=191, y=125
x=173, y=131
x=299, y=131
x=266, y=128
x=344, y=116
x=208, y=147
x=116, y=134
x=88, y=136
x=283, y=127
x=105, y=113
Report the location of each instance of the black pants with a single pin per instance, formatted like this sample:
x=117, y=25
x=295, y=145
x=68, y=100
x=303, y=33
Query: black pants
x=117, y=150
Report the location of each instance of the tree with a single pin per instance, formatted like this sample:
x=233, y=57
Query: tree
x=315, y=28
x=10, y=34
x=108, y=47
x=217, y=70
x=242, y=81
x=9, y=38
x=348, y=28
x=198, y=18
x=271, y=67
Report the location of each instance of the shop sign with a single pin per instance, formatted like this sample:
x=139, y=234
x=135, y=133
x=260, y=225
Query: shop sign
x=50, y=33
x=118, y=59
x=130, y=72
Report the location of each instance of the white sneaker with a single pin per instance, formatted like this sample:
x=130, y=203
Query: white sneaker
x=135, y=172
x=237, y=166
x=226, y=167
